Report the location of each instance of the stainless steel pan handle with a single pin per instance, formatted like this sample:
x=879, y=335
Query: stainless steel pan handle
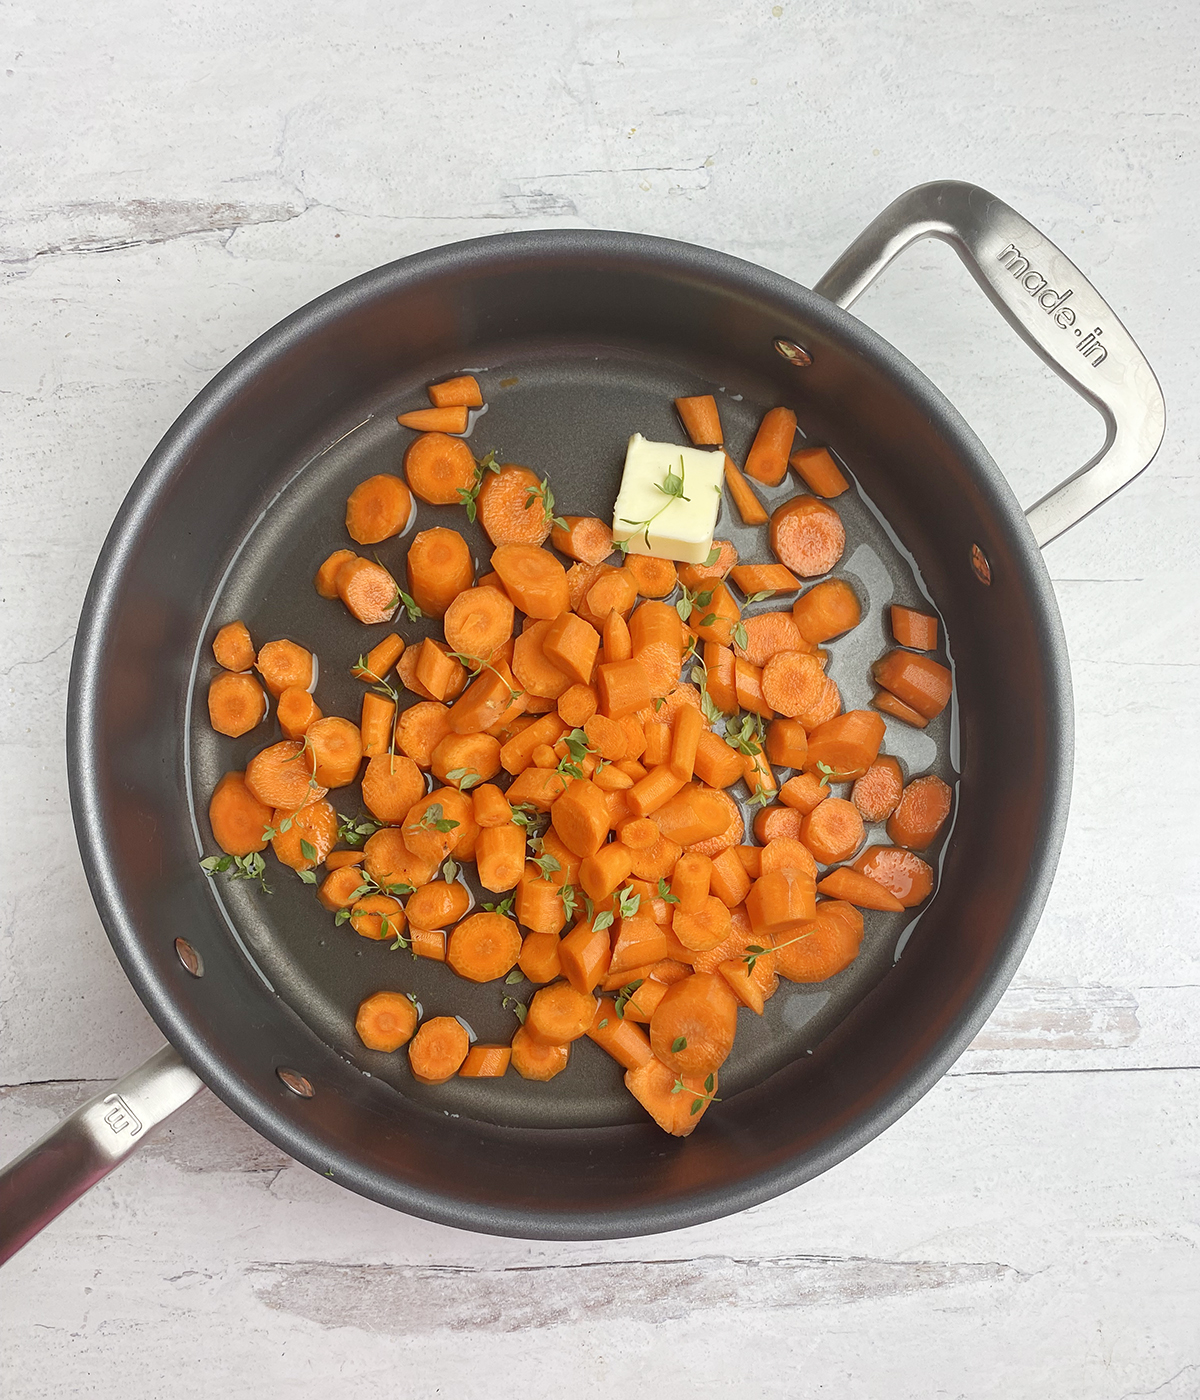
x=1051, y=306
x=78, y=1152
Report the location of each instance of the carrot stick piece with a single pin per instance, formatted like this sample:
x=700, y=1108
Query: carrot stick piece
x=919, y=682
x=486, y=1062
x=624, y=1040
x=767, y=460
x=827, y=610
x=914, y=629
x=654, y=578
x=819, y=472
x=764, y=578
x=462, y=391
x=325, y=579
x=884, y=700
x=861, y=890
x=295, y=710
x=500, y=856
x=749, y=507
x=700, y=419
x=585, y=539
x=675, y=1112
x=435, y=420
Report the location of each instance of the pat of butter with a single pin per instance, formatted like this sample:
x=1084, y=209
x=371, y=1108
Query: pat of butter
x=669, y=498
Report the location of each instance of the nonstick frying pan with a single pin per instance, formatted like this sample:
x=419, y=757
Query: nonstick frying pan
x=584, y=336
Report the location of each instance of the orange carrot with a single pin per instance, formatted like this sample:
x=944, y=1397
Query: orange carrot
x=339, y=888
x=532, y=577
x=238, y=818
x=622, y=688
x=580, y=817
x=427, y=943
x=715, y=614
x=901, y=872
x=920, y=814
x=827, y=610
x=377, y=509
x=767, y=460
x=748, y=685
x=729, y=880
x=626, y=1042
x=827, y=946
x=233, y=648
x=559, y=1014
x=303, y=839
x=843, y=748
x=438, y=1049
x=576, y=705
x=570, y=646
x=716, y=763
x=512, y=508
x=335, y=860
x=751, y=859
x=434, y=825
x=377, y=916
x=386, y=1021
x=281, y=775
x=379, y=660
x=693, y=815
x=486, y=1062
x=779, y=900
x=295, y=710
x=615, y=638
x=585, y=539
x=439, y=569
x=690, y=883
x=706, y=928
x=336, y=748
x=236, y=704
x=500, y=856
x=601, y=873
x=656, y=640
x=715, y=802
x=819, y=472
x=585, y=954
x=635, y=746
x=656, y=862
x=653, y=578
x=640, y=942
x=477, y=622
x=325, y=580
x=420, y=729
x=614, y=591
x=749, y=507
x=914, y=629
x=440, y=675
x=462, y=391
x=462, y=760
x=540, y=788
x=787, y=743
x=369, y=592
x=515, y=756
x=654, y=1087
x=685, y=742
x=437, y=904
x=700, y=576
x=539, y=959
x=854, y=888
x=284, y=663
x=658, y=743
x=490, y=806
x=793, y=683
x=692, y=1028
x=877, y=793
x=833, y=830
x=435, y=420
x=491, y=701
x=700, y=419
x=388, y=861
x=764, y=578
x=884, y=700
x=720, y=678
x=917, y=681
x=807, y=536
x=654, y=790
x=484, y=947
x=768, y=634
x=772, y=821
x=533, y=1060
x=580, y=578
x=438, y=468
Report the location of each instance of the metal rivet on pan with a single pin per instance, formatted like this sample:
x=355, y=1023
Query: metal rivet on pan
x=296, y=1083
x=794, y=354
x=189, y=957
x=983, y=570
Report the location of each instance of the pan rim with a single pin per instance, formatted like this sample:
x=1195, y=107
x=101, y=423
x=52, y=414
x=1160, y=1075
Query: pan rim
x=181, y=1028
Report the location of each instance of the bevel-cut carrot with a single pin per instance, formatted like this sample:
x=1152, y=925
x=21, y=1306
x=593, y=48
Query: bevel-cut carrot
x=571, y=645
x=236, y=704
x=720, y=677
x=622, y=688
x=441, y=675
x=767, y=460
x=614, y=591
x=388, y=861
x=539, y=787
x=377, y=916
x=439, y=467
x=386, y=1021
x=281, y=775
x=435, y=420
x=580, y=578
x=653, y=578
x=705, y=928
x=621, y=1037
x=732, y=832
x=462, y=391
x=748, y=686
x=901, y=872
x=690, y=881
x=379, y=660
x=490, y=806
x=537, y=670
x=438, y=1049
x=438, y=904
x=675, y=1112
x=284, y=663
x=656, y=788
x=749, y=507
x=787, y=743
x=833, y=830
x=500, y=857
x=700, y=419
x=369, y=592
x=615, y=638
x=884, y=700
x=779, y=900
x=759, y=775
x=877, y=793
x=692, y=815
x=515, y=756
x=340, y=887
x=559, y=1014
x=427, y=943
x=818, y=471
x=484, y=947
x=804, y=792
x=715, y=614
x=751, y=859
x=658, y=743
x=656, y=862
x=469, y=757
x=843, y=748
x=539, y=958
x=233, y=648
x=486, y=1062
x=576, y=705
x=325, y=579
x=580, y=817
x=914, y=629
x=512, y=508
x=439, y=568
x=827, y=610
x=701, y=576
x=533, y=578
x=533, y=1060
x=692, y=1028
x=477, y=623
x=729, y=880
x=685, y=741
x=764, y=578
x=766, y=635
x=377, y=509
x=919, y=682
x=420, y=729
x=585, y=539
x=855, y=888
x=434, y=825
x=807, y=536
x=493, y=699
x=920, y=814
x=237, y=817
x=716, y=763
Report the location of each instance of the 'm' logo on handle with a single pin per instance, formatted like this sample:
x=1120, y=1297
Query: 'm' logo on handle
x=1053, y=303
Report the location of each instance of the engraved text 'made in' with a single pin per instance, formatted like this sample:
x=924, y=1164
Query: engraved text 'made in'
x=1053, y=303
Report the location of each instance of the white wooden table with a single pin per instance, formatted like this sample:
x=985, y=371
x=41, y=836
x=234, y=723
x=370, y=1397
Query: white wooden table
x=169, y=188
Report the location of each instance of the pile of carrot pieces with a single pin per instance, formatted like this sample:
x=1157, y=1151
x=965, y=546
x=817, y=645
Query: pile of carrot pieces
x=554, y=741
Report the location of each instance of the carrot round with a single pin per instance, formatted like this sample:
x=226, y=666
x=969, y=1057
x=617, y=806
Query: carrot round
x=657, y=642
x=335, y=860
x=237, y=817
x=827, y=946
x=533, y=1060
x=585, y=539
x=773, y=821
x=438, y=1049
x=693, y=1026
x=484, y=947
x=715, y=614
x=716, y=763
x=807, y=536
x=438, y=468
x=377, y=509
x=819, y=472
x=580, y=817
x=309, y=836
x=512, y=508
x=707, y=927
x=391, y=784
x=500, y=857
x=877, y=793
x=585, y=953
x=846, y=746
x=284, y=663
x=339, y=888
x=434, y=825
x=787, y=743
x=486, y=1062
x=233, y=648
x=833, y=831
x=700, y=419
x=919, y=682
x=462, y=391
x=576, y=705
x=914, y=629
x=614, y=591
x=325, y=579
x=923, y=808
x=854, y=888
x=559, y=1014
x=533, y=578
x=478, y=622
x=388, y=861
x=906, y=875
x=767, y=460
x=438, y=904
x=435, y=420
x=768, y=634
x=420, y=729
x=749, y=507
x=729, y=881
x=653, y=578
x=792, y=683
x=884, y=700
x=439, y=568
x=489, y=806
x=369, y=592
x=466, y=759
x=386, y=1021
x=377, y=916
x=236, y=703
x=700, y=576
x=281, y=775
x=827, y=610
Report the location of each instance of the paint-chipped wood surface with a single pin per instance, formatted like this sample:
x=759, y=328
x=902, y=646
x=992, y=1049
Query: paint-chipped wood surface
x=172, y=182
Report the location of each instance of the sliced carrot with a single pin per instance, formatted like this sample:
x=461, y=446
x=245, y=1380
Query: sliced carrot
x=486, y=1062
x=607, y=738
x=767, y=460
x=427, y=943
x=516, y=755
x=818, y=471
x=367, y=589
x=764, y=578
x=787, y=743
x=656, y=862
x=282, y=664
x=749, y=507
x=715, y=614
x=420, y=729
x=438, y=1049
x=386, y=1021
x=438, y=904
x=615, y=638
x=281, y=775
x=729, y=880
x=639, y=942
x=827, y=610
x=877, y=793
x=759, y=776
x=325, y=579
x=822, y=949
x=435, y=420
x=491, y=701
x=716, y=763
x=685, y=741
x=654, y=790
x=901, y=872
x=635, y=746
x=439, y=568
x=533, y=1060
x=720, y=678
x=576, y=705
x=500, y=857
x=914, y=629
x=768, y=634
x=699, y=576
x=654, y=578
x=585, y=539
x=388, y=861
x=884, y=700
x=439, y=673
x=377, y=916
x=379, y=660
x=484, y=947
x=625, y=1041
x=540, y=788
x=462, y=391
x=751, y=859
x=570, y=646
x=439, y=468
x=580, y=817
x=807, y=536
x=585, y=953
x=377, y=509
x=692, y=1028
x=340, y=887
x=706, y=927
x=532, y=577
x=919, y=682
x=559, y=1014
x=622, y=688
x=233, y=648
x=656, y=640
x=580, y=578
x=692, y=815
x=748, y=685
x=793, y=683
x=675, y=1112
x=477, y=623
x=539, y=960
x=434, y=825
x=833, y=830
x=336, y=747
x=921, y=812
x=700, y=419
x=779, y=900
x=855, y=888
x=512, y=508
x=490, y=807
x=237, y=817
x=843, y=748
x=827, y=706
x=658, y=744
x=463, y=760
x=601, y=873
x=773, y=821
x=236, y=704
x=614, y=591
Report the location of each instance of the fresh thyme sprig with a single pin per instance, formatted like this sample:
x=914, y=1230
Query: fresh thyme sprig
x=829, y=775
x=465, y=778
x=479, y=663
x=761, y=797
x=504, y=906
x=355, y=830
x=754, y=951
x=689, y=602
x=544, y=494
x=434, y=819
x=251, y=867
x=700, y=1098
x=469, y=495
x=746, y=738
